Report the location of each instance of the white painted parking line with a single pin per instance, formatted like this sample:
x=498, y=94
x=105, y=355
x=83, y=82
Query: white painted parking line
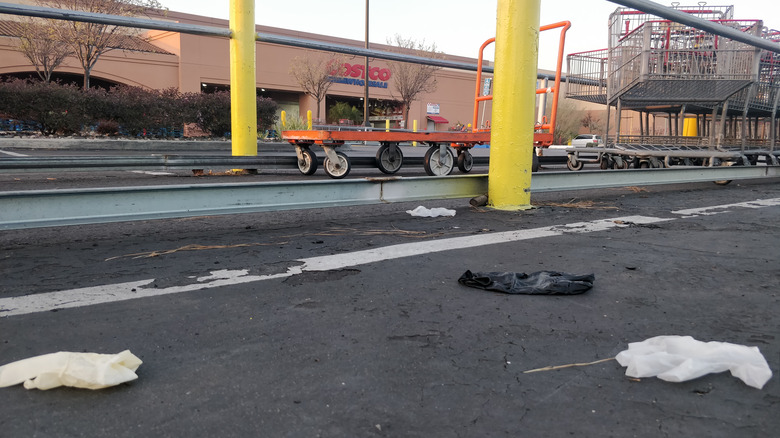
x=151, y=172
x=340, y=261
x=13, y=154
x=717, y=209
x=138, y=289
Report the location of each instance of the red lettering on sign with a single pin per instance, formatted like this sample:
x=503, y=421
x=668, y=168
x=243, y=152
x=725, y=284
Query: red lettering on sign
x=358, y=71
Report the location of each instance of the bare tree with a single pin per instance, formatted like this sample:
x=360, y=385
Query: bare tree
x=40, y=45
x=314, y=74
x=410, y=80
x=592, y=123
x=88, y=41
x=568, y=120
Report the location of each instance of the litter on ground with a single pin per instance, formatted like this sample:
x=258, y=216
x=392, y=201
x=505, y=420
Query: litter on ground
x=78, y=370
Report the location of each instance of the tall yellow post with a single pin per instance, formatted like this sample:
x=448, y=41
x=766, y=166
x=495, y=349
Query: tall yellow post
x=414, y=129
x=243, y=94
x=514, y=94
x=308, y=120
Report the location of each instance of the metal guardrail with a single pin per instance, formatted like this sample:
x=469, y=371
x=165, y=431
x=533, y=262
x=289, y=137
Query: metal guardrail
x=169, y=162
x=47, y=208
x=116, y=20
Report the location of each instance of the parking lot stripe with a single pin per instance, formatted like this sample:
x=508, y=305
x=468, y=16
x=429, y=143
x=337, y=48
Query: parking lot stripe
x=108, y=293
x=144, y=288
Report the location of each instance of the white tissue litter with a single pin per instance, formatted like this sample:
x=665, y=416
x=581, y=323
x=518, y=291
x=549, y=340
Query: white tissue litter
x=79, y=370
x=431, y=212
x=681, y=358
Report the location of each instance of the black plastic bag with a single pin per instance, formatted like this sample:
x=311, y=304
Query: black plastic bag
x=537, y=283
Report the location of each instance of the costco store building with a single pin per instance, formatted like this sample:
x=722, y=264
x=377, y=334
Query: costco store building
x=194, y=63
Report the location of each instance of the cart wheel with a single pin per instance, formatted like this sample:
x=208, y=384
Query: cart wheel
x=570, y=163
x=465, y=161
x=619, y=163
x=644, y=164
x=435, y=164
x=337, y=170
x=388, y=161
x=724, y=182
x=604, y=164
x=308, y=165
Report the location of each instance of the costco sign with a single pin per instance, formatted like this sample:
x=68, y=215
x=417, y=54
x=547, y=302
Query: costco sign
x=354, y=74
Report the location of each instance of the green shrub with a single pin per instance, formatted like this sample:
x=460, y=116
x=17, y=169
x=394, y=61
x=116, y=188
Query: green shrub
x=142, y=112
x=212, y=112
x=107, y=127
x=57, y=108
x=343, y=110
x=266, y=113
x=294, y=123
x=133, y=111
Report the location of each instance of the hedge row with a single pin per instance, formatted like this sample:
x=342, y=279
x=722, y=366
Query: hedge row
x=65, y=109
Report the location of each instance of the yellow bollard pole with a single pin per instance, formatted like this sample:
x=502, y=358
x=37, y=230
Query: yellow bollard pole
x=308, y=120
x=387, y=125
x=512, y=136
x=284, y=119
x=414, y=129
x=243, y=91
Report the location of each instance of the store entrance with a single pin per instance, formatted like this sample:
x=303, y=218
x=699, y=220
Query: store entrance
x=348, y=110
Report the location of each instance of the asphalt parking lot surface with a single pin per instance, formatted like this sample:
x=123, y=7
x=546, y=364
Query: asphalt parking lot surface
x=351, y=322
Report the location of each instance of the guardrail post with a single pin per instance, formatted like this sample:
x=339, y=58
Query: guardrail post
x=512, y=136
x=243, y=91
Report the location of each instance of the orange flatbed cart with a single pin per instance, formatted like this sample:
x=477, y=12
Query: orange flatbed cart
x=446, y=148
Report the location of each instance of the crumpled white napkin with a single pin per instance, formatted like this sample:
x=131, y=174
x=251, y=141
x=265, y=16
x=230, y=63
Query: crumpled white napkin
x=681, y=358
x=79, y=370
x=431, y=212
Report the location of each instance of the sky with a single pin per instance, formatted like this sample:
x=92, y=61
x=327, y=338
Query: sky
x=456, y=27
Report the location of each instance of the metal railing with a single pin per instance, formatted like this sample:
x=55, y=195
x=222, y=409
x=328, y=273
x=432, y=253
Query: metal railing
x=587, y=76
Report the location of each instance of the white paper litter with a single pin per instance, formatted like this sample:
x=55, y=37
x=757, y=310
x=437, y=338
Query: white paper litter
x=431, y=212
x=681, y=358
x=79, y=370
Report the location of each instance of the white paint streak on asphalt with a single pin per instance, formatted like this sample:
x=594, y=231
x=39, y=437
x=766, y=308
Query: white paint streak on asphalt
x=141, y=289
x=340, y=261
x=152, y=172
x=717, y=209
x=13, y=154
